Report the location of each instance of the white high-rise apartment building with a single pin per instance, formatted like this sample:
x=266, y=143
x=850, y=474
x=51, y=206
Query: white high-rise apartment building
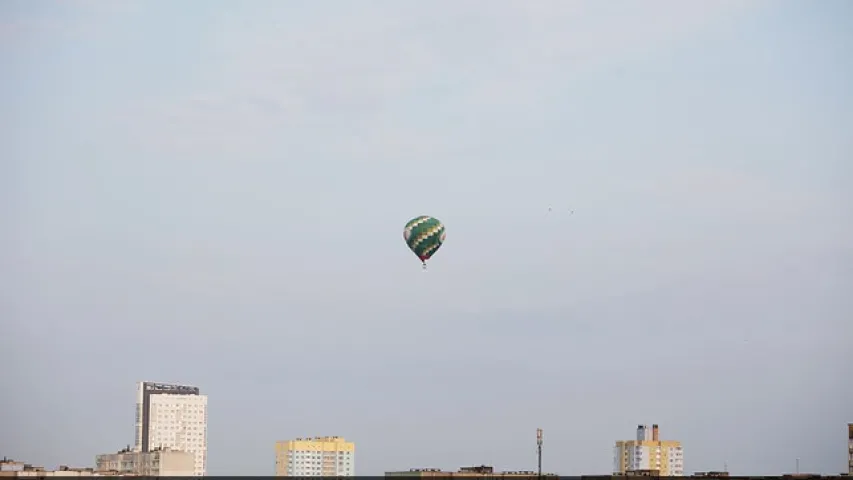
x=173, y=417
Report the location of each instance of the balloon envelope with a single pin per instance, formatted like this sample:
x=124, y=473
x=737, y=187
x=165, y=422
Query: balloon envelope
x=424, y=235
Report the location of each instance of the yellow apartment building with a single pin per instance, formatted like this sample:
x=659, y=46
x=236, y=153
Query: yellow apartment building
x=315, y=457
x=648, y=452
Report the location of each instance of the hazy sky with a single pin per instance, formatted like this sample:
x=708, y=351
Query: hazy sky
x=214, y=193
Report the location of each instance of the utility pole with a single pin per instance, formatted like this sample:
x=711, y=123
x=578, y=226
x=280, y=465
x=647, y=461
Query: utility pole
x=539, y=450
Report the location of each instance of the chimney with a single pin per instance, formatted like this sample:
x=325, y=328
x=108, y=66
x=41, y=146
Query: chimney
x=641, y=433
x=655, y=433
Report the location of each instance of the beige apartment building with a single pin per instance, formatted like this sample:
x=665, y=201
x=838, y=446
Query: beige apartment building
x=156, y=463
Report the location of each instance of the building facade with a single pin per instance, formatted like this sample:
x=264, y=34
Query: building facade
x=315, y=457
x=648, y=452
x=850, y=448
x=155, y=463
x=172, y=417
x=12, y=468
x=480, y=471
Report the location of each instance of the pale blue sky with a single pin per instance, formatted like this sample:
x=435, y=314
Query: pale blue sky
x=214, y=193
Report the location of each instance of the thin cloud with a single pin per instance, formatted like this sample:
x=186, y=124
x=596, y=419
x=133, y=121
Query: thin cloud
x=356, y=68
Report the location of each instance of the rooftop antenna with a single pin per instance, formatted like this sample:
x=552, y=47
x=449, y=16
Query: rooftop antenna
x=539, y=450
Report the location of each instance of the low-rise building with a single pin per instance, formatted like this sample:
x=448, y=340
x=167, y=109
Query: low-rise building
x=467, y=472
x=12, y=468
x=159, y=463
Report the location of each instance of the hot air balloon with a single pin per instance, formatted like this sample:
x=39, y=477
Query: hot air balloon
x=424, y=235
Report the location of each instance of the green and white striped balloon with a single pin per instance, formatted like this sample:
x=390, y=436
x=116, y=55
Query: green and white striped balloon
x=424, y=235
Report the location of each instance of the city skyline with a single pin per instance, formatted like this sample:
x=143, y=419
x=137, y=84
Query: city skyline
x=216, y=192
x=109, y=464
x=157, y=431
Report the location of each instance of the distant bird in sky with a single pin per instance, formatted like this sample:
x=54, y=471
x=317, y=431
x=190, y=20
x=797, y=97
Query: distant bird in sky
x=551, y=209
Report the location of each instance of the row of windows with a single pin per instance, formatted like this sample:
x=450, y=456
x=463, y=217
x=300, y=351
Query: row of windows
x=299, y=473
x=172, y=426
x=656, y=455
x=311, y=470
x=640, y=449
x=175, y=413
x=177, y=444
x=326, y=455
x=653, y=460
x=189, y=446
x=195, y=407
x=178, y=414
x=317, y=452
x=185, y=447
x=309, y=462
x=177, y=410
x=316, y=467
x=198, y=419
